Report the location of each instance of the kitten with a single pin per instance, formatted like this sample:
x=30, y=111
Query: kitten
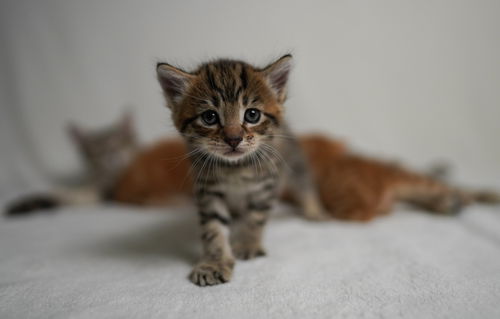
x=230, y=114
x=104, y=152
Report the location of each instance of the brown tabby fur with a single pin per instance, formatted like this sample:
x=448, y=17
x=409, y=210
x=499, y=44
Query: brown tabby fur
x=351, y=187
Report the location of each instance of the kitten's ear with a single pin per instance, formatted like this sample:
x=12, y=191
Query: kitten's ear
x=173, y=81
x=126, y=124
x=127, y=121
x=277, y=74
x=76, y=133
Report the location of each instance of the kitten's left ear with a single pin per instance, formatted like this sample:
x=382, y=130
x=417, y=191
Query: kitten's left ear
x=277, y=74
x=126, y=123
x=75, y=132
x=174, y=82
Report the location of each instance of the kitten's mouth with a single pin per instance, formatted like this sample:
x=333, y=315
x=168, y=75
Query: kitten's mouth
x=230, y=154
x=234, y=152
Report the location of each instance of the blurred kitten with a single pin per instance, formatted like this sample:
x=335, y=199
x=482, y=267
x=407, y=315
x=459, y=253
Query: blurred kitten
x=104, y=152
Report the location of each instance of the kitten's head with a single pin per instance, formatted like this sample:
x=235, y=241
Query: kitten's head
x=106, y=151
x=226, y=108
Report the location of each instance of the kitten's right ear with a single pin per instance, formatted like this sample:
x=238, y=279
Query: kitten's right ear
x=173, y=81
x=277, y=74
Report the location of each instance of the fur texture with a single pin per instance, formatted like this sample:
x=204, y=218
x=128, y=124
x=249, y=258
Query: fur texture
x=158, y=175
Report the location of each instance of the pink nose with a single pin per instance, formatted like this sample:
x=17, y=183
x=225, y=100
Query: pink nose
x=233, y=141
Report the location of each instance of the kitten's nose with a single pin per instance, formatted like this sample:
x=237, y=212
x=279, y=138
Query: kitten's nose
x=233, y=141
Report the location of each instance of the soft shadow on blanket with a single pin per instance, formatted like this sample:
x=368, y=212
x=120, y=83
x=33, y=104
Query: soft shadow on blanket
x=172, y=239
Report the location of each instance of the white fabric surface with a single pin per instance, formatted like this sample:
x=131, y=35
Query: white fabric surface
x=118, y=262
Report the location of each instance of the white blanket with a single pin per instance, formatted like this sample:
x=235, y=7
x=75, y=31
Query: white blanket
x=119, y=262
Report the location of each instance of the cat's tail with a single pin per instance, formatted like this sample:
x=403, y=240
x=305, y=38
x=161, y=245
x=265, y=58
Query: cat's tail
x=28, y=204
x=485, y=197
x=441, y=172
x=50, y=201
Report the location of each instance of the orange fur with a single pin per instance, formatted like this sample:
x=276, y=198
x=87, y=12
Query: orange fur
x=158, y=175
x=358, y=188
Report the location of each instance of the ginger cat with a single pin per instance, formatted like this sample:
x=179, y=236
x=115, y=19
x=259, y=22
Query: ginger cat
x=350, y=186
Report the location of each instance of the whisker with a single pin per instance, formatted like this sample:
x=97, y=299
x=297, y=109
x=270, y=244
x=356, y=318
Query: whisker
x=266, y=156
x=273, y=151
x=291, y=137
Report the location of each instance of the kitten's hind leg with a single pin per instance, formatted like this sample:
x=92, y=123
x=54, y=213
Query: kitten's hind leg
x=307, y=201
x=312, y=207
x=246, y=234
x=300, y=188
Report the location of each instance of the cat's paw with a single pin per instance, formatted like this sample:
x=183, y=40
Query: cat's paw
x=209, y=273
x=317, y=217
x=316, y=214
x=452, y=204
x=245, y=252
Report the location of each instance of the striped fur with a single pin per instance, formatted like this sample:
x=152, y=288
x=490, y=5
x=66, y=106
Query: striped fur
x=237, y=161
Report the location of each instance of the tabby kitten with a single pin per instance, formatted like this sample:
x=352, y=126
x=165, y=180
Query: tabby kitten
x=231, y=115
x=105, y=153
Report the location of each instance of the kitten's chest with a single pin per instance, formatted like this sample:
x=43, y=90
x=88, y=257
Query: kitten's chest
x=245, y=186
x=244, y=181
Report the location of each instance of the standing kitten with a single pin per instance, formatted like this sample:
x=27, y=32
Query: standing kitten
x=231, y=115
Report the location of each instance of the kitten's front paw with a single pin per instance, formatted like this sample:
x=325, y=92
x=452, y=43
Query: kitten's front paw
x=245, y=252
x=208, y=273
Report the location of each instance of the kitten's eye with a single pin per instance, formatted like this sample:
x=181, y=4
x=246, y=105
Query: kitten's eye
x=210, y=117
x=252, y=116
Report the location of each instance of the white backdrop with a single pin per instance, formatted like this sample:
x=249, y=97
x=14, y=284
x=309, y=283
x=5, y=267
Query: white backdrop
x=413, y=80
